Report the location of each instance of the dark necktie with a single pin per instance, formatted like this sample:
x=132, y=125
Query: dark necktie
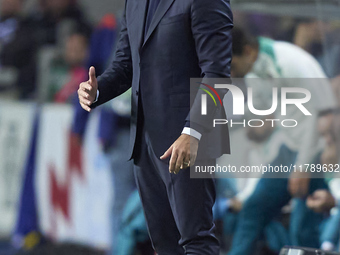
x=152, y=7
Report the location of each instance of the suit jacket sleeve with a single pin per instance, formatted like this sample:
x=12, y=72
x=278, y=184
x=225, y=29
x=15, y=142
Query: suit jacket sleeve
x=117, y=78
x=211, y=23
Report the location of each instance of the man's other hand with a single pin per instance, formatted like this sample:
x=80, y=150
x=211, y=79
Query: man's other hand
x=235, y=205
x=298, y=184
x=183, y=153
x=87, y=91
x=321, y=201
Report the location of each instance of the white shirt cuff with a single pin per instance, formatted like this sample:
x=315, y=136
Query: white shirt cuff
x=192, y=132
x=96, y=97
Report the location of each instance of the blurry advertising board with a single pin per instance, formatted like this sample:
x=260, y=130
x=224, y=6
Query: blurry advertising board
x=73, y=180
x=16, y=122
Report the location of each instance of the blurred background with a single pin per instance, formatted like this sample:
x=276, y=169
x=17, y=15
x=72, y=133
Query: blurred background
x=66, y=186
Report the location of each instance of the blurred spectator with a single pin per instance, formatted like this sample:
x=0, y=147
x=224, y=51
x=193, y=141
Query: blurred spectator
x=68, y=71
x=262, y=200
x=255, y=58
x=58, y=18
x=326, y=200
x=10, y=16
x=329, y=129
x=321, y=201
x=265, y=24
x=320, y=38
x=308, y=36
x=268, y=146
x=22, y=37
x=103, y=40
x=269, y=59
x=18, y=45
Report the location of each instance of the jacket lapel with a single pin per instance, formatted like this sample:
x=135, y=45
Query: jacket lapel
x=162, y=8
x=142, y=4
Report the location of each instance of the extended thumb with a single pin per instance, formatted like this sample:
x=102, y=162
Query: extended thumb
x=92, y=73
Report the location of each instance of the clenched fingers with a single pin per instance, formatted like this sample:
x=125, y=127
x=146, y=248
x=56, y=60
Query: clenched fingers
x=85, y=99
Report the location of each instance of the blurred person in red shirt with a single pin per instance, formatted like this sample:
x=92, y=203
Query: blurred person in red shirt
x=69, y=69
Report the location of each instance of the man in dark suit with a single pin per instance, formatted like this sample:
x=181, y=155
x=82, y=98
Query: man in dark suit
x=162, y=44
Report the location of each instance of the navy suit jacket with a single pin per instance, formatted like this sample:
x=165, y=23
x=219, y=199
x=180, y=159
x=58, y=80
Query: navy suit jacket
x=186, y=39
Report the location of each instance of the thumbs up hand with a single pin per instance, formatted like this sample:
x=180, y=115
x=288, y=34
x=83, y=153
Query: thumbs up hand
x=87, y=91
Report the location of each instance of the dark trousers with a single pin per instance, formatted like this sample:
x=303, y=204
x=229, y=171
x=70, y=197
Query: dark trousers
x=178, y=209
